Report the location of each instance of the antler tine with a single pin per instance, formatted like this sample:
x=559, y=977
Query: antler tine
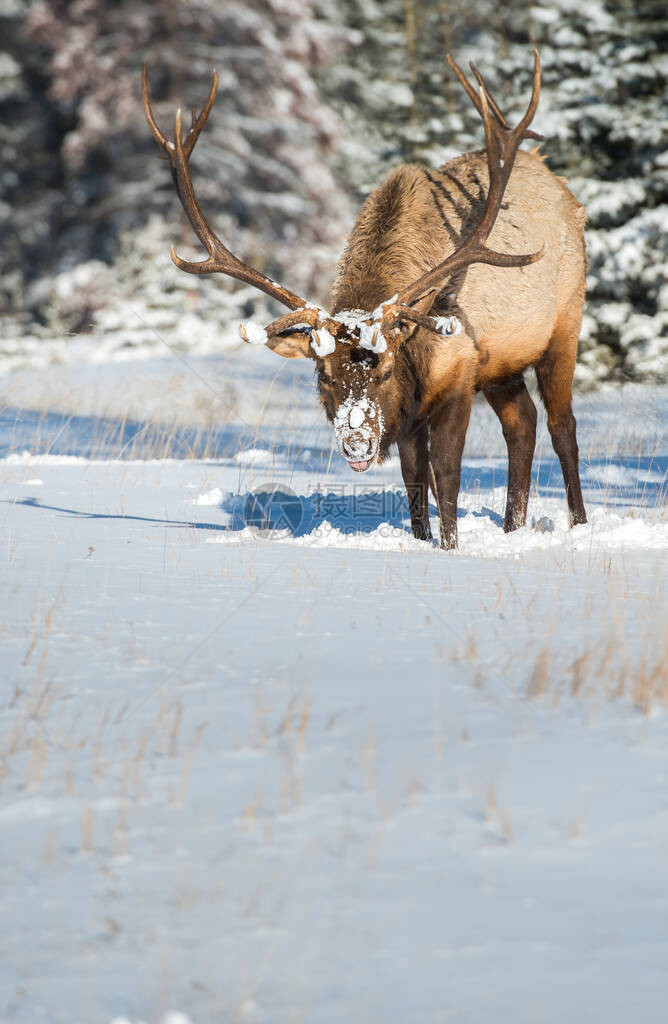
x=421, y=319
x=475, y=97
x=533, y=102
x=482, y=84
x=198, y=122
x=502, y=144
x=148, y=111
x=308, y=316
x=472, y=94
x=220, y=259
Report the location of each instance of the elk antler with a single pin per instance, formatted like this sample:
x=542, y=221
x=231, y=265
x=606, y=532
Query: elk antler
x=220, y=258
x=502, y=143
x=475, y=98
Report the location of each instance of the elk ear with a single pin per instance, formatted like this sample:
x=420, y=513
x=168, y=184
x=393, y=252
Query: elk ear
x=291, y=344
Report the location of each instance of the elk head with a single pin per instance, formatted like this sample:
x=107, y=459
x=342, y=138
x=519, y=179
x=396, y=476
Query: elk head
x=355, y=350
x=355, y=353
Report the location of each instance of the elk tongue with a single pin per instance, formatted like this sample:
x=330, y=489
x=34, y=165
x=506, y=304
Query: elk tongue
x=359, y=467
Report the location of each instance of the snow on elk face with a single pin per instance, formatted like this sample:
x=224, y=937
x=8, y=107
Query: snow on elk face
x=350, y=392
x=355, y=386
x=362, y=379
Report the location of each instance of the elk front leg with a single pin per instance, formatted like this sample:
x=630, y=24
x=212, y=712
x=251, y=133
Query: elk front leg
x=447, y=427
x=513, y=405
x=414, y=455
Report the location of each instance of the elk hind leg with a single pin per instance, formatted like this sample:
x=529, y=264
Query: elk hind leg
x=513, y=405
x=555, y=372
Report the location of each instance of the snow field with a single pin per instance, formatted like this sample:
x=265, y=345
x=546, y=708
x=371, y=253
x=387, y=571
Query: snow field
x=324, y=771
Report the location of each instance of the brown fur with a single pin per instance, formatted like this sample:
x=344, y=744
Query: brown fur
x=417, y=217
x=512, y=318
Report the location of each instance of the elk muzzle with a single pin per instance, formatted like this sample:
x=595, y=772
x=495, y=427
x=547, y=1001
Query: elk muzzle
x=359, y=426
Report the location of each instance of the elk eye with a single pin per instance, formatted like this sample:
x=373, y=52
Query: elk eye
x=364, y=356
x=299, y=329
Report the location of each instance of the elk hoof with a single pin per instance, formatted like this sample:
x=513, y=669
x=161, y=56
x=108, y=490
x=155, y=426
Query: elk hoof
x=422, y=530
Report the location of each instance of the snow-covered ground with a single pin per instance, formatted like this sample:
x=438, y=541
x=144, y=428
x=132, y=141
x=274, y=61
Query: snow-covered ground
x=285, y=763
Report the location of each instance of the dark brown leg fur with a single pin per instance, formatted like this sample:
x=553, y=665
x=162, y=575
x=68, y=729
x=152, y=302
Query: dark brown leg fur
x=447, y=430
x=414, y=455
x=555, y=380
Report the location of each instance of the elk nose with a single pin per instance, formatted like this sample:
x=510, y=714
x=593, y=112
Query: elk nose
x=356, y=449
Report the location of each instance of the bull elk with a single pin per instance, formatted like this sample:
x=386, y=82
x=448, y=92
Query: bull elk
x=424, y=313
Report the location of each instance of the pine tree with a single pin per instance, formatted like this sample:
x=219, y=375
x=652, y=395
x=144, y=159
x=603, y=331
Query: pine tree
x=601, y=111
x=86, y=175
x=318, y=100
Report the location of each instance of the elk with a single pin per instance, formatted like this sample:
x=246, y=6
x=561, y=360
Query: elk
x=424, y=313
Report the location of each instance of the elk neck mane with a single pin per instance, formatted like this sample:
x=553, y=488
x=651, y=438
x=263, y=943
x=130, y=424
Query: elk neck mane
x=389, y=246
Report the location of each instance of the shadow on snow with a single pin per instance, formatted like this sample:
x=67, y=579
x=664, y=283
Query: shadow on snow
x=283, y=510
x=351, y=506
